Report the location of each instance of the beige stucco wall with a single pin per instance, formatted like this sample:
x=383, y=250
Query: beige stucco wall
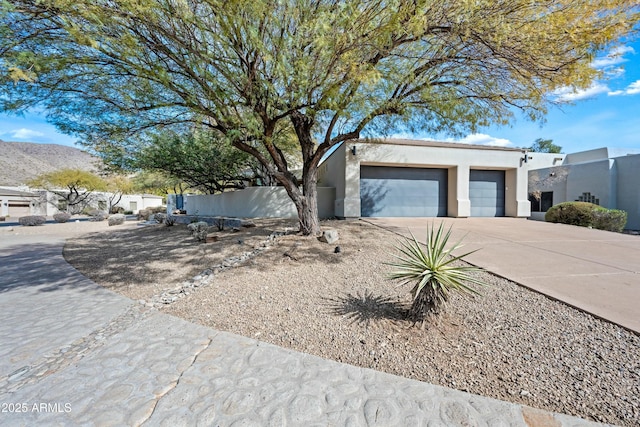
x=458, y=159
x=255, y=202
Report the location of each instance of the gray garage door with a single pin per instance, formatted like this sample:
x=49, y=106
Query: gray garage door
x=391, y=191
x=486, y=193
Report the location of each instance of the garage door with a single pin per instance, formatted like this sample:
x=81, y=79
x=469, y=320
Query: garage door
x=486, y=193
x=391, y=191
x=18, y=209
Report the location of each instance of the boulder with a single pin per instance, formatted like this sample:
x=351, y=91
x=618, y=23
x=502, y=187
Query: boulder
x=329, y=236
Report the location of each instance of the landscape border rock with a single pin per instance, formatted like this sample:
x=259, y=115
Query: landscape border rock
x=206, y=276
x=329, y=236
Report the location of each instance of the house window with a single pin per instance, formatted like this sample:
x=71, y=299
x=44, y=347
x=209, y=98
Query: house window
x=133, y=206
x=541, y=201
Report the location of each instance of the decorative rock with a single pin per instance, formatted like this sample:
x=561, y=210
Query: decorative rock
x=329, y=236
x=116, y=219
x=337, y=250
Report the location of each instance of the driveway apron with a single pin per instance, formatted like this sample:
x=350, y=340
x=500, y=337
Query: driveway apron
x=593, y=270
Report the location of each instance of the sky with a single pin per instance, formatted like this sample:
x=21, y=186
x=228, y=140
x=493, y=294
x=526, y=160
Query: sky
x=605, y=115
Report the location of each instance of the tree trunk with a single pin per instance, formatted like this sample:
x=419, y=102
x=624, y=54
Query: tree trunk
x=308, y=208
x=307, y=202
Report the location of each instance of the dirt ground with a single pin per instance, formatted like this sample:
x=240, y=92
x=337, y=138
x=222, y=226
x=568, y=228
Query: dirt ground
x=511, y=343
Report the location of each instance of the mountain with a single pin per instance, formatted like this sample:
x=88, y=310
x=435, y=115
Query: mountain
x=23, y=161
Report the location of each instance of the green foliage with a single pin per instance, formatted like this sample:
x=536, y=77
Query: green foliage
x=72, y=179
x=433, y=272
x=587, y=215
x=203, y=160
x=74, y=186
x=545, y=146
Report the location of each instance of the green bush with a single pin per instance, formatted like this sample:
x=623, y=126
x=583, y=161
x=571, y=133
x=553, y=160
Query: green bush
x=609, y=219
x=586, y=214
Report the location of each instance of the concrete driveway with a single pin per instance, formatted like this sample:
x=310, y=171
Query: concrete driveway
x=596, y=271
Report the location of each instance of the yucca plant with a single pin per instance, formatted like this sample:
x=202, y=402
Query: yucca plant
x=433, y=271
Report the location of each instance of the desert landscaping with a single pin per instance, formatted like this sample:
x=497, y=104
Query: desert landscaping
x=268, y=283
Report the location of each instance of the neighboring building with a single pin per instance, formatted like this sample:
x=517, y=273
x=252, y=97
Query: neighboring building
x=15, y=203
x=406, y=178
x=604, y=176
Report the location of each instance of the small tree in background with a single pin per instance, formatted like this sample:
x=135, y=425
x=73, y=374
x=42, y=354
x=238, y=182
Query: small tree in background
x=75, y=186
x=545, y=146
x=116, y=186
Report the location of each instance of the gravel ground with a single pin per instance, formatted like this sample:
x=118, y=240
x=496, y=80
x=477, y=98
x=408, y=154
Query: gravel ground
x=511, y=343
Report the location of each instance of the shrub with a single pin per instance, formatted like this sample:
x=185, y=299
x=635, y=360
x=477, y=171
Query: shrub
x=587, y=215
x=32, y=220
x=160, y=217
x=170, y=220
x=128, y=212
x=572, y=213
x=157, y=209
x=98, y=216
x=143, y=214
x=431, y=272
x=199, y=230
x=609, y=219
x=116, y=219
x=62, y=217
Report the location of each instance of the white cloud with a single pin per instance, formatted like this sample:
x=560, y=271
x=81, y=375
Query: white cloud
x=614, y=57
x=632, y=89
x=569, y=94
x=483, y=139
x=24, y=133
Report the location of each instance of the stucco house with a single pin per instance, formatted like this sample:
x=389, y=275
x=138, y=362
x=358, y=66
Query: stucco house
x=400, y=178
x=608, y=177
x=394, y=177
x=16, y=202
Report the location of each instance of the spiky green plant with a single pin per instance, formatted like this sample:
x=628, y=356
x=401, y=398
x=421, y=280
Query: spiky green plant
x=433, y=271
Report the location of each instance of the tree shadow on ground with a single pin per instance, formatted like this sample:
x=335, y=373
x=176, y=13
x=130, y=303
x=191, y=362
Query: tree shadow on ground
x=38, y=267
x=366, y=307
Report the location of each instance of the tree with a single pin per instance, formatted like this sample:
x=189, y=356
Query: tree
x=198, y=159
x=116, y=186
x=158, y=183
x=545, y=146
x=332, y=71
x=74, y=186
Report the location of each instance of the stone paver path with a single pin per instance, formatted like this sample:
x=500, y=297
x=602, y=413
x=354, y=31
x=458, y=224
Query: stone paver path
x=72, y=353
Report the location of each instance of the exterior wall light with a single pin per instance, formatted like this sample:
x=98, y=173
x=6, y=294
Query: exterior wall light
x=353, y=150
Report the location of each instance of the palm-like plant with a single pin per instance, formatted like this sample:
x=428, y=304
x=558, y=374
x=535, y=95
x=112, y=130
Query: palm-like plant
x=433, y=272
